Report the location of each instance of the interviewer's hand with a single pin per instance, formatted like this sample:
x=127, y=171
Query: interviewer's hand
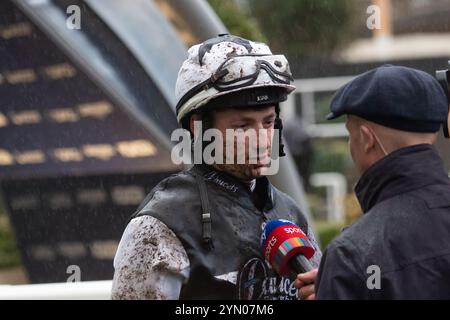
x=305, y=285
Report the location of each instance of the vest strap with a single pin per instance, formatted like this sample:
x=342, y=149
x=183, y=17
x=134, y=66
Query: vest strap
x=206, y=213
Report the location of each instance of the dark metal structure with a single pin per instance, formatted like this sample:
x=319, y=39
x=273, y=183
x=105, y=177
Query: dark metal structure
x=85, y=123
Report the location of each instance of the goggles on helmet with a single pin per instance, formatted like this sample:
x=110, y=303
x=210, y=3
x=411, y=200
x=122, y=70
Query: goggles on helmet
x=240, y=71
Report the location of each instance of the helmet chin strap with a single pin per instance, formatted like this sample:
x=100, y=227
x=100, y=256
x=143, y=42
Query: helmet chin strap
x=279, y=125
x=446, y=125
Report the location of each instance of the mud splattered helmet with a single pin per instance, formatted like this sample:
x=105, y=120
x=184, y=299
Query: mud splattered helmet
x=229, y=71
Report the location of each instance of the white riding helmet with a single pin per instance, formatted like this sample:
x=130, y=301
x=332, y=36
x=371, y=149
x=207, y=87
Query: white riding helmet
x=228, y=64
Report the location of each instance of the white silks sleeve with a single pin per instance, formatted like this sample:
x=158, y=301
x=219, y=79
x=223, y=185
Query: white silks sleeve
x=150, y=262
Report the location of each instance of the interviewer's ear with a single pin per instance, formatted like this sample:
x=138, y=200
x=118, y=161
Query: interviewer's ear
x=367, y=138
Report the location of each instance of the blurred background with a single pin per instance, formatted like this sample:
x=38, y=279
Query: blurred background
x=87, y=109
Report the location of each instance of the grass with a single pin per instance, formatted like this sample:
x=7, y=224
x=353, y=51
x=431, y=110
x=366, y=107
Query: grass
x=9, y=255
x=327, y=231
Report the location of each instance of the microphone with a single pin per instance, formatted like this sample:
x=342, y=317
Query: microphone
x=286, y=247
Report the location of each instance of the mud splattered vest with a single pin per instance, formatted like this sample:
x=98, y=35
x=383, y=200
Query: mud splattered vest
x=234, y=267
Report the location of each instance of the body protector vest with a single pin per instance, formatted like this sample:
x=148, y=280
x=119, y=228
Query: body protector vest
x=222, y=240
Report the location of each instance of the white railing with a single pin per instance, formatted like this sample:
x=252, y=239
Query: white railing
x=305, y=90
x=336, y=185
x=83, y=290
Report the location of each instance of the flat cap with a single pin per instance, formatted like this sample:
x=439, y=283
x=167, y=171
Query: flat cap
x=397, y=97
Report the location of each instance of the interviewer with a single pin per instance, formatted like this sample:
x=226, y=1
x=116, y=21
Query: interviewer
x=400, y=247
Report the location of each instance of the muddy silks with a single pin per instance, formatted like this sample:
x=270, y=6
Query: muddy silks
x=223, y=248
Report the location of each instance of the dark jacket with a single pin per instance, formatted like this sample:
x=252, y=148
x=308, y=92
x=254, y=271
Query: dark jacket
x=237, y=216
x=404, y=233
